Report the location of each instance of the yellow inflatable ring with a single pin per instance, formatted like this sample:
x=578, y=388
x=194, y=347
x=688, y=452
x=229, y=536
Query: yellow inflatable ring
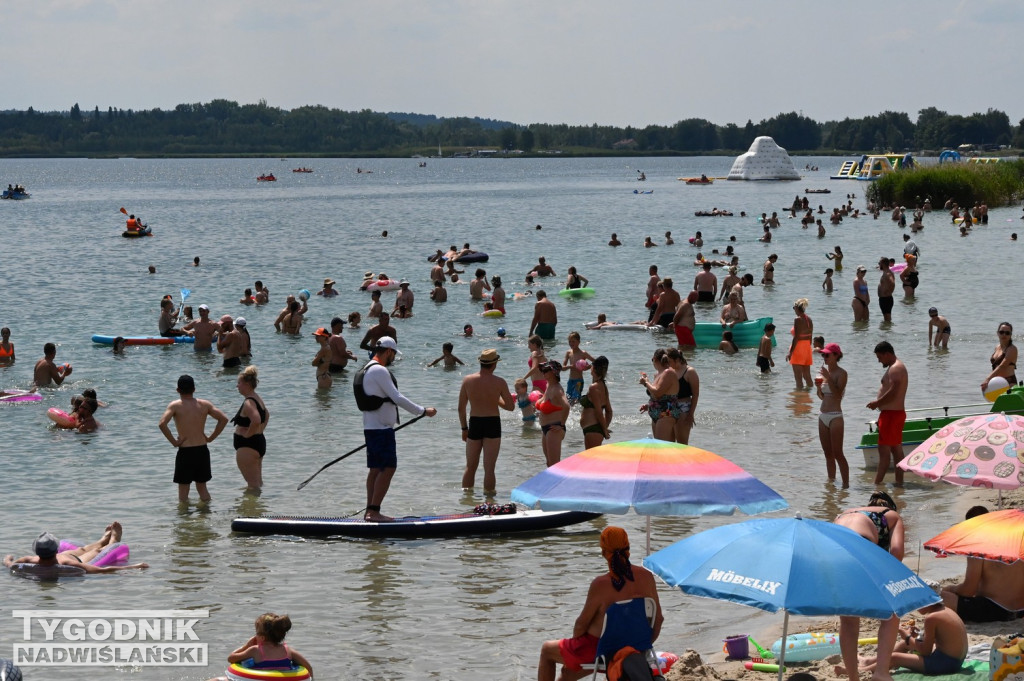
x=237, y=672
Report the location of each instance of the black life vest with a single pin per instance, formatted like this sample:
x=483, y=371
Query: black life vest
x=369, y=402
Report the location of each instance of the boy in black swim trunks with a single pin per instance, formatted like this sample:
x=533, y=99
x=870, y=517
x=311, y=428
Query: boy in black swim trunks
x=764, y=350
x=192, y=463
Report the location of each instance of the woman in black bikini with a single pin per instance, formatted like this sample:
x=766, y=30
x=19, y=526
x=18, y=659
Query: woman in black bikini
x=249, y=422
x=597, y=408
x=1004, y=359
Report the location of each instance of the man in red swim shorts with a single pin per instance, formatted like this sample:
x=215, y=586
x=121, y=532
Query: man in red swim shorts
x=623, y=581
x=890, y=402
x=684, y=321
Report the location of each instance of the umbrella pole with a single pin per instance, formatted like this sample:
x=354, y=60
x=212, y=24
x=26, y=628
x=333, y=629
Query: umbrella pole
x=782, y=651
x=648, y=534
x=1000, y=506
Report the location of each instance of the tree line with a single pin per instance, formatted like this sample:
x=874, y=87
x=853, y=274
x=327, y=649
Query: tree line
x=227, y=128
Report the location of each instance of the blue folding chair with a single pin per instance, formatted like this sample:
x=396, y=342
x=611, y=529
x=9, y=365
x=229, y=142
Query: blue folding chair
x=627, y=623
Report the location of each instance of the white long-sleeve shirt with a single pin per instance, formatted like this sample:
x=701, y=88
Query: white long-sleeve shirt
x=377, y=381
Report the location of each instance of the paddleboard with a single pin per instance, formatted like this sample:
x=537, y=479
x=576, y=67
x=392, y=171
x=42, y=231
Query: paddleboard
x=625, y=327
x=143, y=340
x=414, y=527
x=21, y=396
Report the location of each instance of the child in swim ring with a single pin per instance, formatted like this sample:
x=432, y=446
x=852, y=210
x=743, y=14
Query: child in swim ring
x=267, y=649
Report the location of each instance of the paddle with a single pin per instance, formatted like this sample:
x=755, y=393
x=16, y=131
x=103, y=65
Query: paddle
x=185, y=293
x=123, y=210
x=328, y=465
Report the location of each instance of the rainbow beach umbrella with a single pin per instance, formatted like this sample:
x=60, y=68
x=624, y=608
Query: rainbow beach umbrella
x=653, y=477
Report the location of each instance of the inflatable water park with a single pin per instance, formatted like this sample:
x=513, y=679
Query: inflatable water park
x=765, y=160
x=870, y=167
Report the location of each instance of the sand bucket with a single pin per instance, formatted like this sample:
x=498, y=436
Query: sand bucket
x=737, y=647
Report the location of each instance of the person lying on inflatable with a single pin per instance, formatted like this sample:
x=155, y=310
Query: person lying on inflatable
x=46, y=547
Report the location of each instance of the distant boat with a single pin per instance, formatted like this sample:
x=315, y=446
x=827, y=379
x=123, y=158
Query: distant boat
x=16, y=194
x=266, y=178
x=302, y=170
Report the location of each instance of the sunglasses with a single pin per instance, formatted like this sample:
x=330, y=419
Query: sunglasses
x=1005, y=333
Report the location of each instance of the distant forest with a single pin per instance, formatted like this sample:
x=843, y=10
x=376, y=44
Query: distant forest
x=226, y=128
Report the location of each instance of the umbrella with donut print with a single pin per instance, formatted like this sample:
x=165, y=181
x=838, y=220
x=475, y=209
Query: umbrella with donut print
x=985, y=450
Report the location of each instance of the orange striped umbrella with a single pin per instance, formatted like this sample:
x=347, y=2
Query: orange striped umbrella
x=998, y=535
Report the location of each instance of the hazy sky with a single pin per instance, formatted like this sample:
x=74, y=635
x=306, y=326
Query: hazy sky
x=526, y=61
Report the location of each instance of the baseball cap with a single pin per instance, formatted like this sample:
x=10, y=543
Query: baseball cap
x=321, y=332
x=337, y=320
x=862, y=268
x=240, y=321
x=204, y=306
x=831, y=349
x=387, y=343
x=551, y=365
x=45, y=545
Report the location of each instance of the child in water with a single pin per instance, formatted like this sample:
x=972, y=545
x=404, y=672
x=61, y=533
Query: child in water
x=574, y=386
x=827, y=284
x=267, y=649
x=764, y=350
x=524, y=402
x=449, y=359
x=727, y=345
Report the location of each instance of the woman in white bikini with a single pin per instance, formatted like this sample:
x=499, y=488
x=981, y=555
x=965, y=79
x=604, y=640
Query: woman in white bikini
x=831, y=382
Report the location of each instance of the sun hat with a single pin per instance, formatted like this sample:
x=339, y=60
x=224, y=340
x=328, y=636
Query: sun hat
x=403, y=282
x=367, y=275
x=489, y=356
x=45, y=545
x=328, y=282
x=240, y=321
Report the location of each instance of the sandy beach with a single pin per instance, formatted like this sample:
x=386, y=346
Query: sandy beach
x=692, y=666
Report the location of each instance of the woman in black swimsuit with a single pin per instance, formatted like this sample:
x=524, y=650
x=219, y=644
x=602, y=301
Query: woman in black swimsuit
x=879, y=523
x=249, y=422
x=1004, y=359
x=910, y=276
x=686, y=396
x=597, y=408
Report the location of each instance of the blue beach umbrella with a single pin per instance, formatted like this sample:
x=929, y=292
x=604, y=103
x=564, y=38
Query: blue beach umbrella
x=798, y=565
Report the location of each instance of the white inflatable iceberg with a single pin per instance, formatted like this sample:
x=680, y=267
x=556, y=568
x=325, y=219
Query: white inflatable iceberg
x=765, y=160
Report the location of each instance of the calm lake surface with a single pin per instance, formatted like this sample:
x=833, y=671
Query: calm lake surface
x=438, y=609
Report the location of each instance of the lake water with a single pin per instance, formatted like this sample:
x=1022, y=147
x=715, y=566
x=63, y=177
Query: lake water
x=440, y=609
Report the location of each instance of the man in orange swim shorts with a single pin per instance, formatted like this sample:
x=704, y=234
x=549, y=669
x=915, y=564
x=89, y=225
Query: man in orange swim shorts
x=623, y=581
x=890, y=402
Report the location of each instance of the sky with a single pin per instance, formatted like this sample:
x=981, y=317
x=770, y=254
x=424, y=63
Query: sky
x=578, y=62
